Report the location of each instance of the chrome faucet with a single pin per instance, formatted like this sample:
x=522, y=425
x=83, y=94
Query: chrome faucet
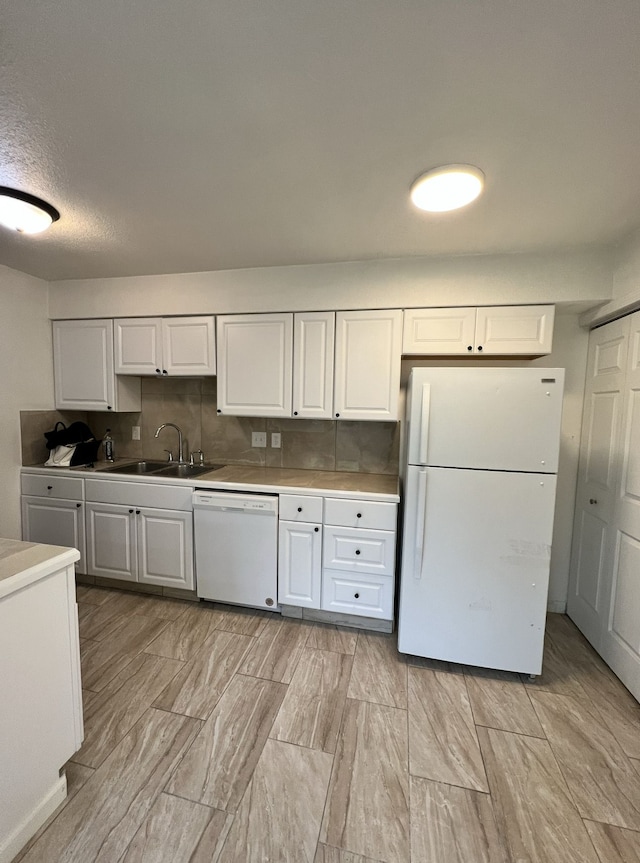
x=181, y=459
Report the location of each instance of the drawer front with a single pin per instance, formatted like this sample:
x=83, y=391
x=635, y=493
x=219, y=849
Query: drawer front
x=360, y=513
x=300, y=507
x=159, y=496
x=50, y=485
x=359, y=550
x=351, y=593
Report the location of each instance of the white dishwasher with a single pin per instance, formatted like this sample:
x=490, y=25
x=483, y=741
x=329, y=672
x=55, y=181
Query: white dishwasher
x=236, y=547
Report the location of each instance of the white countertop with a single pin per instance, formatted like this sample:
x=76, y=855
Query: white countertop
x=22, y=563
x=250, y=478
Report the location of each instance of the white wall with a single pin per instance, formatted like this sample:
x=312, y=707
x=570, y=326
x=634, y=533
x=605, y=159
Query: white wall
x=26, y=378
x=570, y=277
x=625, y=283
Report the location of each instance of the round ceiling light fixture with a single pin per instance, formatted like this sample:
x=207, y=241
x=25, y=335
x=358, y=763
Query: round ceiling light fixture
x=25, y=213
x=447, y=188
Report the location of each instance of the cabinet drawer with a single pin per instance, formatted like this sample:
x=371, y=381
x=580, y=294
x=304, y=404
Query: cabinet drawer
x=360, y=513
x=157, y=495
x=300, y=507
x=359, y=550
x=50, y=485
x=351, y=593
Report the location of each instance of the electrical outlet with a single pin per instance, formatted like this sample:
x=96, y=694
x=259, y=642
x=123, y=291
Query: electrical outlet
x=276, y=440
x=258, y=439
x=135, y=432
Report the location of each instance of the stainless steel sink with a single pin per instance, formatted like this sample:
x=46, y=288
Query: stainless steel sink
x=184, y=471
x=137, y=467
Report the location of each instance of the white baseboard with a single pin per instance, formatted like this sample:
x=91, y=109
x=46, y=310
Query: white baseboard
x=30, y=825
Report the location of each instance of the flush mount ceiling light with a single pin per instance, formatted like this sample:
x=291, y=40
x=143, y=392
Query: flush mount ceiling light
x=25, y=213
x=447, y=188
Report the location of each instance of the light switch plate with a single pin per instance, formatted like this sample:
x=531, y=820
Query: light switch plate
x=258, y=439
x=276, y=440
x=135, y=432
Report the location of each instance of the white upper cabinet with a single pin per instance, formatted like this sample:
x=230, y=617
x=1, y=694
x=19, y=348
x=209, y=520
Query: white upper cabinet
x=255, y=364
x=165, y=346
x=84, y=372
x=492, y=330
x=313, y=344
x=367, y=365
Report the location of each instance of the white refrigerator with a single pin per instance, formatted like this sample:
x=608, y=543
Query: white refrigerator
x=479, y=495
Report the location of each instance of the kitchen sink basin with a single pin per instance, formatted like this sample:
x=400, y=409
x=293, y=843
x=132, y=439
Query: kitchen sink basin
x=184, y=471
x=137, y=467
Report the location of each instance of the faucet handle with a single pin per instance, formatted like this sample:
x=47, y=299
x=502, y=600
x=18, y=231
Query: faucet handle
x=169, y=455
x=200, y=454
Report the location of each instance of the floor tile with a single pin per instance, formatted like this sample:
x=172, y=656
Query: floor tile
x=280, y=813
x=178, y=831
x=534, y=811
x=326, y=636
x=499, y=700
x=603, y=782
x=367, y=809
x=243, y=621
x=105, y=659
x=195, y=690
x=312, y=709
x=111, y=713
x=613, y=844
x=452, y=824
x=443, y=744
x=436, y=664
x=101, y=820
x=327, y=854
x=221, y=761
x=379, y=672
x=185, y=635
x=276, y=651
x=557, y=673
x=92, y=595
x=103, y=619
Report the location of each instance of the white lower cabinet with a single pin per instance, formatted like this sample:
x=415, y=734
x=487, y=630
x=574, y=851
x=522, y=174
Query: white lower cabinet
x=344, y=564
x=53, y=512
x=138, y=542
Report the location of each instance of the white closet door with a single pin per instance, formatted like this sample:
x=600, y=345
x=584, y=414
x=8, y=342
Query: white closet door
x=621, y=630
x=598, y=473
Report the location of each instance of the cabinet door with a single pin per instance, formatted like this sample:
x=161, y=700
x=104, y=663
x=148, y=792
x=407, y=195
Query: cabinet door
x=439, y=332
x=83, y=365
x=367, y=371
x=165, y=548
x=138, y=346
x=299, y=566
x=254, y=365
x=55, y=522
x=188, y=346
x=313, y=344
x=514, y=330
x=111, y=541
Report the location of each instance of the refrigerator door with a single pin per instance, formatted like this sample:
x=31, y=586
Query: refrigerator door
x=475, y=567
x=485, y=418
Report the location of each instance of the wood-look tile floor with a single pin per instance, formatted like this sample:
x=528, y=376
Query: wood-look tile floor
x=219, y=734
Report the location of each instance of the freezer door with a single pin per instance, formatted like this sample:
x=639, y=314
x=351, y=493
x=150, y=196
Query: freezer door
x=485, y=418
x=475, y=567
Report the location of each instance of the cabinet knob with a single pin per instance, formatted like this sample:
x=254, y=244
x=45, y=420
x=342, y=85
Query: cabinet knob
x=218, y=411
x=469, y=347
x=316, y=529
x=357, y=551
x=78, y=505
x=358, y=515
x=592, y=500
x=109, y=408
x=158, y=371
x=130, y=512
x=165, y=372
x=49, y=487
x=356, y=595
x=337, y=415
x=137, y=512
x=299, y=509
x=295, y=413
x=479, y=347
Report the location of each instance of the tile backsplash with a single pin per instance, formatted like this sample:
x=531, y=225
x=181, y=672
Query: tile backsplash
x=369, y=447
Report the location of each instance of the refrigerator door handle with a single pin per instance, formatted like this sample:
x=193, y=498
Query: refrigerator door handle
x=421, y=511
x=425, y=405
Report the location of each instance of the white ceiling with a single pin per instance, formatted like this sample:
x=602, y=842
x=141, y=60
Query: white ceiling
x=204, y=135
